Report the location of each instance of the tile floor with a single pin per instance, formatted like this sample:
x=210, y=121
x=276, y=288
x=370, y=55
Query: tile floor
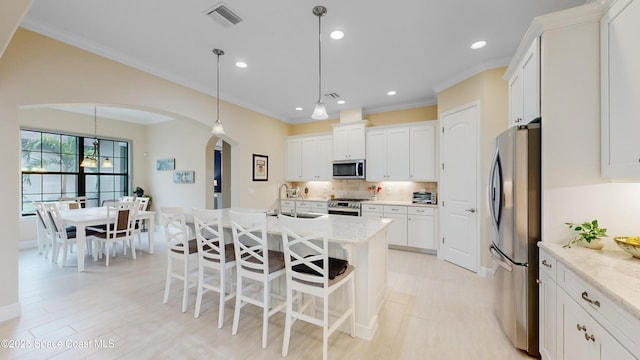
x=433, y=310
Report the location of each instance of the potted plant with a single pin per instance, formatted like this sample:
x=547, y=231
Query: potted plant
x=139, y=192
x=588, y=232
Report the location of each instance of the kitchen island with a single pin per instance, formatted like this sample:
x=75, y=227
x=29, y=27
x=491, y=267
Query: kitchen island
x=361, y=241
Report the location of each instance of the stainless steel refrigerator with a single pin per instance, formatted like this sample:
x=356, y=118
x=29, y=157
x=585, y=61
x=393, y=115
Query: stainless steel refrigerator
x=514, y=198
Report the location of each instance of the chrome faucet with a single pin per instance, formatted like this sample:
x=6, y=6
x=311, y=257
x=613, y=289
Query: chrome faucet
x=286, y=187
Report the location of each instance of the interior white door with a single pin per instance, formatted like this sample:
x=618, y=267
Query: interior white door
x=459, y=179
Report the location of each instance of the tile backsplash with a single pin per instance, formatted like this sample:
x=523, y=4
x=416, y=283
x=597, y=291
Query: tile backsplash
x=391, y=190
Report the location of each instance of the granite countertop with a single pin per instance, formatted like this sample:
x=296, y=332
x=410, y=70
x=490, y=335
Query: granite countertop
x=397, y=202
x=610, y=270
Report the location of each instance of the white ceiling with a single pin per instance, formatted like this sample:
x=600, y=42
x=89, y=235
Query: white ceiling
x=416, y=47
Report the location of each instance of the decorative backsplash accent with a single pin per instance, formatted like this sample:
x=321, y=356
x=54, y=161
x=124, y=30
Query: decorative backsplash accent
x=391, y=190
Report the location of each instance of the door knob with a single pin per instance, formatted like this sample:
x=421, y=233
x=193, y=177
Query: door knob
x=472, y=210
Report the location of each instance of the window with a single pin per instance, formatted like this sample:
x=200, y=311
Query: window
x=51, y=169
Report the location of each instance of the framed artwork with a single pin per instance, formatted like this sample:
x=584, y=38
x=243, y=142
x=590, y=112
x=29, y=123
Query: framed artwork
x=260, y=167
x=183, y=177
x=165, y=164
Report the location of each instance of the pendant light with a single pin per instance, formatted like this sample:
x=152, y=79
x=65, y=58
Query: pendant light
x=91, y=161
x=320, y=110
x=217, y=126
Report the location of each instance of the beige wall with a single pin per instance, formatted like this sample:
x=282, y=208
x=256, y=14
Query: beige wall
x=491, y=90
x=38, y=70
x=11, y=14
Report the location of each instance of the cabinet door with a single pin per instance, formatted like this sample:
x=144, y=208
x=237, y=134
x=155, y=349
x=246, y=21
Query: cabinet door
x=357, y=142
x=575, y=327
x=531, y=83
x=293, y=171
x=620, y=90
x=397, y=234
x=547, y=322
x=422, y=155
x=398, y=153
x=377, y=155
x=515, y=99
x=341, y=143
x=309, y=162
x=420, y=232
x=323, y=158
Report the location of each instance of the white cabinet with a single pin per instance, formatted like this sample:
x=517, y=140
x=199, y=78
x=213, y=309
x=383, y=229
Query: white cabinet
x=401, y=153
x=293, y=154
x=304, y=206
x=524, y=87
x=372, y=210
x=308, y=158
x=316, y=158
x=620, y=81
x=579, y=322
x=420, y=227
x=547, y=300
x=422, y=152
x=397, y=233
x=388, y=154
x=583, y=337
x=349, y=141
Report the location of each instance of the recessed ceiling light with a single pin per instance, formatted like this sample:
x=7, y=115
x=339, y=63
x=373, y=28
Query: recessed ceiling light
x=299, y=108
x=241, y=64
x=341, y=102
x=478, y=45
x=336, y=34
x=391, y=93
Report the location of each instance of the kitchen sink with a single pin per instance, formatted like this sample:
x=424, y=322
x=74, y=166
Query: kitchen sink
x=298, y=215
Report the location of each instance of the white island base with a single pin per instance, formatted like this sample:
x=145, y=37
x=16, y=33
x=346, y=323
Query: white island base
x=363, y=242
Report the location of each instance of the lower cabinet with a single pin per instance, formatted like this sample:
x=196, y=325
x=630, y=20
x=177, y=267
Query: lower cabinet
x=412, y=226
x=579, y=322
x=304, y=206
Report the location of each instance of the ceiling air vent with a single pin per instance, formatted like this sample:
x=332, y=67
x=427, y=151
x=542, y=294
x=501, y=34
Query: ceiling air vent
x=333, y=95
x=223, y=14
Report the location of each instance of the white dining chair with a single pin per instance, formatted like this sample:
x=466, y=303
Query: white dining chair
x=63, y=237
x=310, y=276
x=142, y=203
x=179, y=248
x=256, y=263
x=46, y=238
x=119, y=229
x=213, y=255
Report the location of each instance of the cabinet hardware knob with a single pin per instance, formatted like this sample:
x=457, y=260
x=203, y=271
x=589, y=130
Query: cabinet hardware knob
x=585, y=297
x=472, y=210
x=582, y=327
x=546, y=263
x=589, y=337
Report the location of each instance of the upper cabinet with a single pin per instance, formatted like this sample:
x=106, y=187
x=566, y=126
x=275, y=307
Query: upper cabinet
x=620, y=81
x=308, y=158
x=401, y=153
x=524, y=87
x=349, y=141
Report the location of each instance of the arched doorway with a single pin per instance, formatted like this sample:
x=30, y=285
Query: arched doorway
x=218, y=177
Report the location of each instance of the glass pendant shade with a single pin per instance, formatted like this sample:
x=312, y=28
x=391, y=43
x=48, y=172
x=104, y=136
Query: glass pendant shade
x=89, y=162
x=319, y=111
x=107, y=163
x=217, y=128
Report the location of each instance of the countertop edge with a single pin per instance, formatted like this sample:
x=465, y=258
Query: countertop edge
x=629, y=305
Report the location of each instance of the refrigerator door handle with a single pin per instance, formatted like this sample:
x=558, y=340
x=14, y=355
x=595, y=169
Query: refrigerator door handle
x=492, y=190
x=498, y=258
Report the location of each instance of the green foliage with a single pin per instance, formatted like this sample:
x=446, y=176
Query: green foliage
x=587, y=231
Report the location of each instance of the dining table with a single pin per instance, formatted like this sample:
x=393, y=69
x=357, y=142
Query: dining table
x=85, y=217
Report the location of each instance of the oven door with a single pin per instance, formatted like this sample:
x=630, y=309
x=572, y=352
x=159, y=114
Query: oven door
x=344, y=211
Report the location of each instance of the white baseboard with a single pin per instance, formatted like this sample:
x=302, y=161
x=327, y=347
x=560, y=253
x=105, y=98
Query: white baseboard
x=27, y=245
x=485, y=272
x=10, y=311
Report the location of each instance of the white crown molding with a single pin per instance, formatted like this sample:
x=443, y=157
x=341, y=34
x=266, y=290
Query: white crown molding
x=487, y=65
x=540, y=24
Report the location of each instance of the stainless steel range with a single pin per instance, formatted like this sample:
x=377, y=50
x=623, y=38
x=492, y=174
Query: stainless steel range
x=350, y=207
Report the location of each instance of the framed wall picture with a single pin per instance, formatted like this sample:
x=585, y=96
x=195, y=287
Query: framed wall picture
x=184, y=177
x=165, y=164
x=260, y=167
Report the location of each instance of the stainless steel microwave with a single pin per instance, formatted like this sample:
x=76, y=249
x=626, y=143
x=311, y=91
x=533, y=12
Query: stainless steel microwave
x=349, y=169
